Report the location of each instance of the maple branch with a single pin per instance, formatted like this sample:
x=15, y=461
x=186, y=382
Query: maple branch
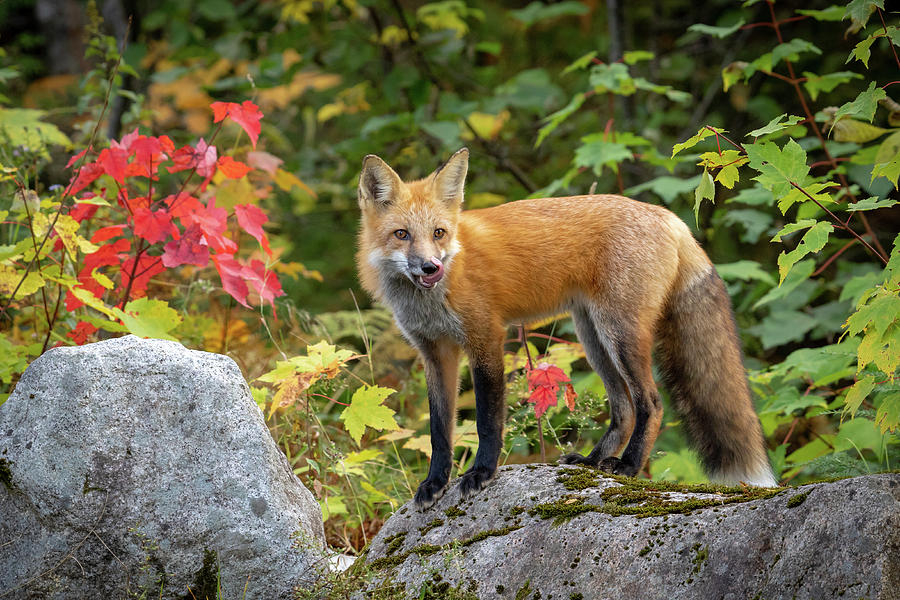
x=727, y=139
x=815, y=127
x=840, y=224
x=768, y=24
x=137, y=259
x=522, y=336
x=832, y=258
x=888, y=36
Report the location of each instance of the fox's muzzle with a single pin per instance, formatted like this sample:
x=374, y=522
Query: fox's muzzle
x=433, y=271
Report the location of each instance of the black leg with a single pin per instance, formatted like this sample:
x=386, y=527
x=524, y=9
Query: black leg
x=441, y=376
x=490, y=408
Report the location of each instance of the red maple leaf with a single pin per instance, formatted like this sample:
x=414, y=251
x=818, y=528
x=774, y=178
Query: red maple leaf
x=84, y=177
x=188, y=250
x=232, y=169
x=106, y=233
x=230, y=272
x=247, y=115
x=81, y=333
x=213, y=222
x=251, y=219
x=114, y=162
x=153, y=225
x=543, y=381
x=75, y=158
x=546, y=374
x=126, y=141
x=80, y=212
x=146, y=268
x=182, y=205
x=543, y=397
x=203, y=158
x=264, y=282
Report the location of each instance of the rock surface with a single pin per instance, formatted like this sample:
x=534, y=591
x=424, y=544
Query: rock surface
x=561, y=533
x=133, y=467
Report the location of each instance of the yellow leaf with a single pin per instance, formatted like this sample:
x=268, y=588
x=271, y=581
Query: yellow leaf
x=66, y=228
x=10, y=278
x=286, y=180
x=233, y=192
x=393, y=436
x=485, y=125
x=421, y=443
x=102, y=279
x=91, y=300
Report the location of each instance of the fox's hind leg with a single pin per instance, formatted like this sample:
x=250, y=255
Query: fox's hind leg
x=621, y=408
x=623, y=353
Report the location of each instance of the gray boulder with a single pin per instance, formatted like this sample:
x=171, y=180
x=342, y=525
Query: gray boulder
x=562, y=533
x=137, y=468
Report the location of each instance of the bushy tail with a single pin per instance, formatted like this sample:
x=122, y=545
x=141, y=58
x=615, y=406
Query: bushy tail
x=702, y=368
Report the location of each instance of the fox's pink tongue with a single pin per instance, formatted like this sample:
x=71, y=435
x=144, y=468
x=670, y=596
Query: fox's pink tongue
x=437, y=275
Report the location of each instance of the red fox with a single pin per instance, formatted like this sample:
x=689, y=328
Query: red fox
x=630, y=273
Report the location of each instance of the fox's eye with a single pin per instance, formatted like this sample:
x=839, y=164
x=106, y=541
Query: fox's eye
x=439, y=233
x=401, y=234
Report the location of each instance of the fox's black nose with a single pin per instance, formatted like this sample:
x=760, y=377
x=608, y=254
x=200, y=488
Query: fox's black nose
x=429, y=268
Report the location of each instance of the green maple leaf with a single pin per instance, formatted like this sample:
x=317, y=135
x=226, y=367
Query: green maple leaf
x=816, y=84
x=596, y=153
x=693, y=140
x=776, y=124
x=813, y=241
x=863, y=106
x=778, y=167
x=149, y=318
x=705, y=191
x=366, y=410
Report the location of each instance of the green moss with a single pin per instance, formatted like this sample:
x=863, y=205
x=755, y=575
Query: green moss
x=426, y=549
x=454, y=511
x=6, y=474
x=576, y=596
x=646, y=499
x=797, y=499
x=431, y=525
x=701, y=555
x=500, y=589
x=580, y=478
x=393, y=543
x=645, y=550
x=206, y=581
x=562, y=510
x=516, y=510
x=387, y=562
x=483, y=535
x=392, y=560
x=523, y=591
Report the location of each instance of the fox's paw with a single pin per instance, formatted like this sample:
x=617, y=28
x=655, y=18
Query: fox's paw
x=616, y=466
x=428, y=493
x=577, y=459
x=474, y=481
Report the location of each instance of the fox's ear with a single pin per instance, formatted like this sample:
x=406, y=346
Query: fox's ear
x=378, y=183
x=450, y=178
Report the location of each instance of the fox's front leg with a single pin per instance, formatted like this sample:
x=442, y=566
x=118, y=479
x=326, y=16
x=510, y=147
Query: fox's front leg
x=442, y=378
x=486, y=363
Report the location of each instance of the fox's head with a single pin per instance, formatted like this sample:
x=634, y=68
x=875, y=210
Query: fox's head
x=409, y=229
